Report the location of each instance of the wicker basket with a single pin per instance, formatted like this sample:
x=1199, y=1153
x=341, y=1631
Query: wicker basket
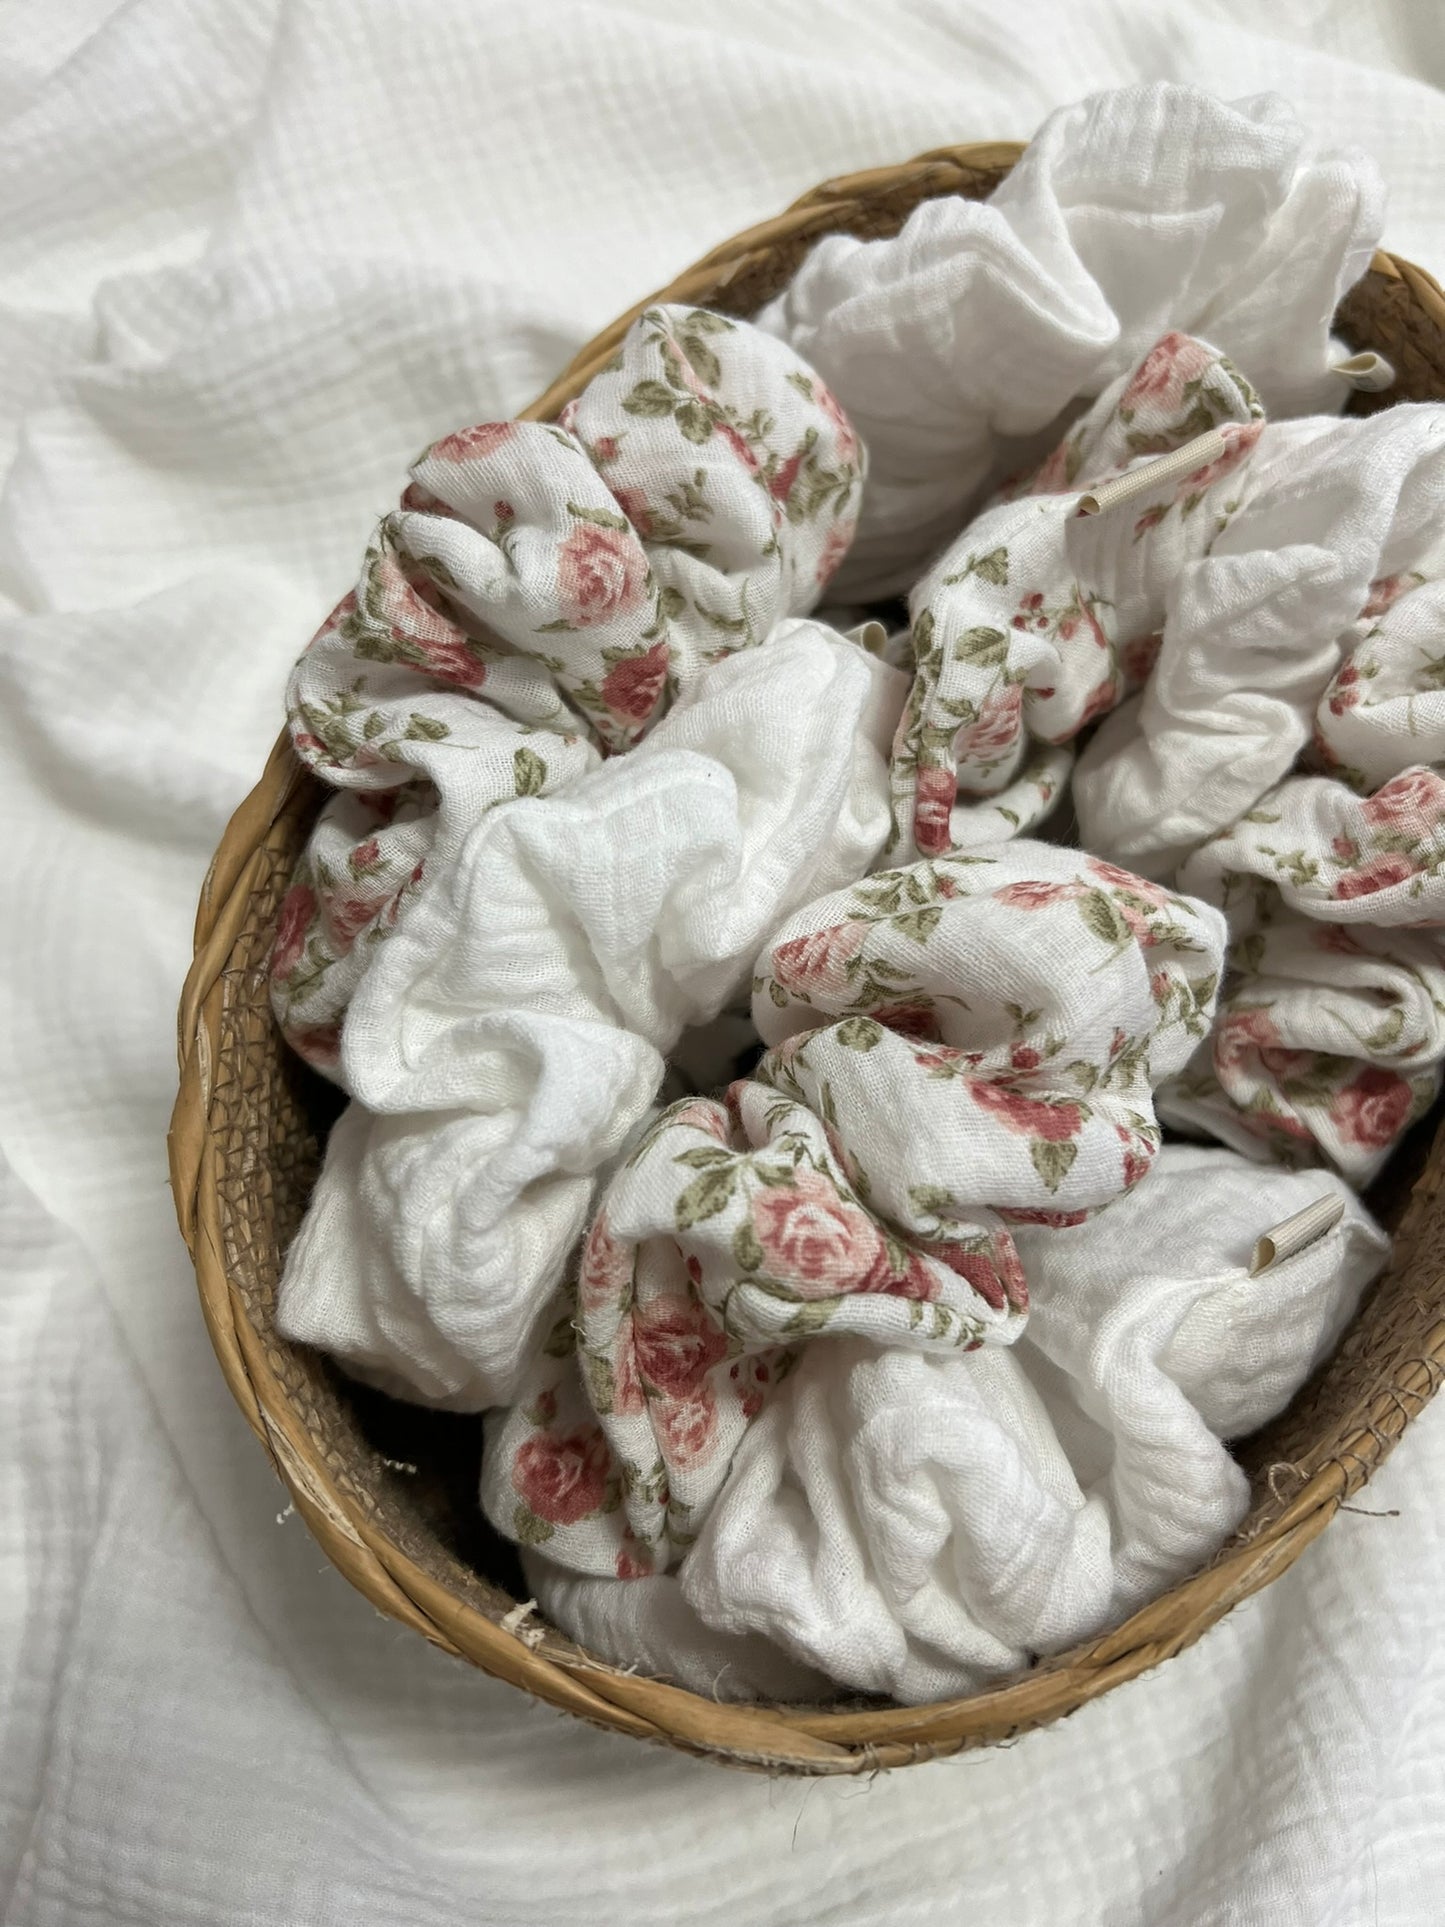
x=389, y=1491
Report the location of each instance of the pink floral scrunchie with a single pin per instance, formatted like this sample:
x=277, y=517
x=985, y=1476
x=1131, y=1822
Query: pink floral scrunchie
x=954, y=1045
x=539, y=597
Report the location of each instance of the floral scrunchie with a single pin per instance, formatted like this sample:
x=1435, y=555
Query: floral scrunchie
x=540, y=596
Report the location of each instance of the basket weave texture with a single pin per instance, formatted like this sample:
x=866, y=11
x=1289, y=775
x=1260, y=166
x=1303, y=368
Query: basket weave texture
x=389, y=1492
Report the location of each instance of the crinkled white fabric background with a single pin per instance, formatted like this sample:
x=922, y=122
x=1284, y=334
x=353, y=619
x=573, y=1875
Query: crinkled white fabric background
x=255, y=256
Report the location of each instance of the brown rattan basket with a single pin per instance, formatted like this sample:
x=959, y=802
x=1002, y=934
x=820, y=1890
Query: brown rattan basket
x=390, y=1491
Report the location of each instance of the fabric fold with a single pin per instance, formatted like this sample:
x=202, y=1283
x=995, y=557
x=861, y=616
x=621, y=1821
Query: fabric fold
x=919, y=1525
x=510, y=1036
x=960, y=343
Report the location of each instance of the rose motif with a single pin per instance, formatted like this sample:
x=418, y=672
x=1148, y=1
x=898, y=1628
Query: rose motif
x=347, y=917
x=1344, y=692
x=628, y=1395
x=1373, y=1109
x=933, y=810
x=298, y=907
x=1238, y=441
x=700, y=1114
x=818, y=960
x=1138, y=658
x=633, y=685
x=677, y=1342
x=448, y=657
x=1336, y=940
x=1101, y=699
x=812, y=1238
x=1136, y=1166
x=847, y=438
x=601, y=574
x=604, y=1276
x=998, y=724
x=1384, y=590
x=563, y=1479
x=1382, y=874
x=785, y=478
x=419, y=628
x=1240, y=1035
x=1028, y=894
x=1052, y=476
x=739, y=445
x=469, y=444
x=1029, y=1116
x=1118, y=879
x=687, y=1429
x=835, y=547
x=634, y=1560
x=319, y=1044
x=1168, y=368
x=1055, y=1220
x=996, y=1276
x=635, y=506
x=1413, y=801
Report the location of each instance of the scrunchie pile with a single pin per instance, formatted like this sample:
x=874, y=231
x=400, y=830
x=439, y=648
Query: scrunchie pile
x=749, y=1116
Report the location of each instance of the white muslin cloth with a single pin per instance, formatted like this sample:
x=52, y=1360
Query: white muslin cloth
x=957, y=344
x=914, y=1524
x=1257, y=627
x=255, y=258
x=509, y=1035
x=648, y=1625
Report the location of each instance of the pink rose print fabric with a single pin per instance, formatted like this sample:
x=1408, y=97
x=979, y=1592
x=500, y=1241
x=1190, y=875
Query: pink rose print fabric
x=1039, y=621
x=1331, y=1040
x=733, y=1234
x=1328, y=1045
x=421, y=727
x=699, y=490
x=1009, y=1013
x=540, y=597
x=1329, y=853
x=1388, y=696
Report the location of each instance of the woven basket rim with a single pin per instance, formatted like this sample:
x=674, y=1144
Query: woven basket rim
x=778, y=1738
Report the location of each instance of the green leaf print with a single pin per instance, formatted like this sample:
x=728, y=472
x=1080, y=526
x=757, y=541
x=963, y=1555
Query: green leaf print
x=859, y=1033
x=601, y=1385
x=919, y=924
x=650, y=398
x=527, y=1528
x=693, y=420
x=985, y=648
x=1102, y=919
x=747, y=1252
x=705, y=1196
x=1052, y=1159
x=529, y=772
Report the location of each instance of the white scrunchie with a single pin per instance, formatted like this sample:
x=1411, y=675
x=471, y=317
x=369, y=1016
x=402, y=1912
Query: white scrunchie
x=917, y=1525
x=959, y=343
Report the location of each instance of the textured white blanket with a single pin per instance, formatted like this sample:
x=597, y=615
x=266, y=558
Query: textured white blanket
x=255, y=259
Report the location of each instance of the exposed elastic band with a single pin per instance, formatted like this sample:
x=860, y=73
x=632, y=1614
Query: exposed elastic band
x=1149, y=475
x=1291, y=1237
x=1367, y=371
